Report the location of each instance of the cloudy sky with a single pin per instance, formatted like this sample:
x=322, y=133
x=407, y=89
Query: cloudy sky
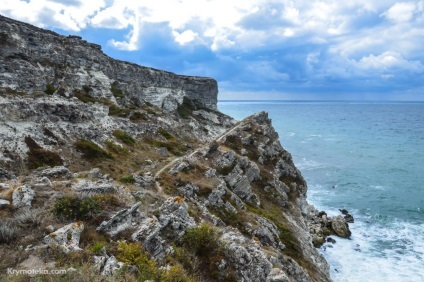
x=256, y=49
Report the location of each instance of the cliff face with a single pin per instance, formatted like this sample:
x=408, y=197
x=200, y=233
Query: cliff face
x=32, y=58
x=99, y=177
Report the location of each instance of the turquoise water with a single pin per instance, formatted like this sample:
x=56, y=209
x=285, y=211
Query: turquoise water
x=369, y=159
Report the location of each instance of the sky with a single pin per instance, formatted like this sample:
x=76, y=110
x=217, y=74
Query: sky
x=256, y=49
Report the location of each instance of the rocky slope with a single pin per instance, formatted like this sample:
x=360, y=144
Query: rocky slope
x=115, y=171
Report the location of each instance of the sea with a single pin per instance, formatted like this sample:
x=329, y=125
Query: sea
x=368, y=158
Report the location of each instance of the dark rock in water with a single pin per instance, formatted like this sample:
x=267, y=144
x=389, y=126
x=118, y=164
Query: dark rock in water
x=349, y=218
x=331, y=240
x=343, y=211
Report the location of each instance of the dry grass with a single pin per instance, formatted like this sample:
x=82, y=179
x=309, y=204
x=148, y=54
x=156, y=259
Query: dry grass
x=8, y=232
x=28, y=217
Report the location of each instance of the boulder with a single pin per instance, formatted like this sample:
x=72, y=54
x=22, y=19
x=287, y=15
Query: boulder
x=23, y=196
x=4, y=174
x=57, y=171
x=340, y=227
x=107, y=265
x=4, y=203
x=66, y=238
x=122, y=220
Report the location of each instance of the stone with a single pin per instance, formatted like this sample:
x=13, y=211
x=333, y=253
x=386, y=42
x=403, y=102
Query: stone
x=268, y=233
x=4, y=186
x=66, y=238
x=162, y=151
x=4, y=203
x=120, y=221
x=277, y=275
x=340, y=227
x=4, y=174
x=87, y=187
x=188, y=191
x=107, y=265
x=57, y=171
x=247, y=258
x=182, y=166
x=23, y=196
x=174, y=217
x=210, y=173
x=148, y=232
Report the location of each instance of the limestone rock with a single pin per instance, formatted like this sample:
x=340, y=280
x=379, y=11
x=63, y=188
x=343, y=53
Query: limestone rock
x=4, y=203
x=148, y=232
x=277, y=275
x=87, y=187
x=162, y=151
x=57, y=171
x=340, y=227
x=174, y=217
x=23, y=196
x=188, y=191
x=66, y=238
x=122, y=220
x=4, y=174
x=107, y=265
x=246, y=257
x=182, y=166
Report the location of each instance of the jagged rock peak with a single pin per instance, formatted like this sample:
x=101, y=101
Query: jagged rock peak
x=33, y=60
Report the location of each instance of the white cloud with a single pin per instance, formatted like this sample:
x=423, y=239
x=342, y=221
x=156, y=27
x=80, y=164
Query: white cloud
x=185, y=37
x=389, y=60
x=401, y=12
x=67, y=15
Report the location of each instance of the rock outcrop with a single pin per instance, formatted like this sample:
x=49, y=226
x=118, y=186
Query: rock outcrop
x=33, y=58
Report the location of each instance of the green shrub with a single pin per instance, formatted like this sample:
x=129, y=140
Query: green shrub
x=166, y=134
x=38, y=157
x=128, y=179
x=76, y=208
x=175, y=274
x=106, y=201
x=137, y=116
x=133, y=254
x=115, y=110
x=174, y=147
x=87, y=88
x=116, y=91
x=50, y=89
x=117, y=149
x=91, y=150
x=84, y=96
x=202, y=240
x=97, y=247
x=123, y=137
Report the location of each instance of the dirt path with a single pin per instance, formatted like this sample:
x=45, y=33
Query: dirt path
x=176, y=160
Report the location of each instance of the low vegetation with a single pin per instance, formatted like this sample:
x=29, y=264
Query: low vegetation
x=8, y=232
x=50, y=89
x=91, y=150
x=76, y=208
x=123, y=137
x=38, y=157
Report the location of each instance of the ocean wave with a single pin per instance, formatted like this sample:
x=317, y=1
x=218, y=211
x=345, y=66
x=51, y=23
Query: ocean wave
x=380, y=249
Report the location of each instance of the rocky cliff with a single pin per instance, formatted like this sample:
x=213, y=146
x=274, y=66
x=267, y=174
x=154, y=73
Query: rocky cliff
x=34, y=59
x=113, y=171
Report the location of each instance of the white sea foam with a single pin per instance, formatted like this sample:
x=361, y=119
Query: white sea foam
x=306, y=164
x=377, y=251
